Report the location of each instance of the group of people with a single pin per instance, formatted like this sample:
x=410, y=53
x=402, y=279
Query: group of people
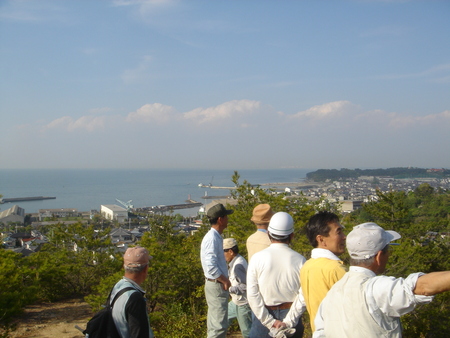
x=270, y=293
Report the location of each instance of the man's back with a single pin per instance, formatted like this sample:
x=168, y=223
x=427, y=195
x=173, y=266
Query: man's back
x=256, y=242
x=130, y=311
x=275, y=271
x=368, y=304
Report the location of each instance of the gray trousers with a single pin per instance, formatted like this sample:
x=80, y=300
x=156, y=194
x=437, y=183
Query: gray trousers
x=217, y=300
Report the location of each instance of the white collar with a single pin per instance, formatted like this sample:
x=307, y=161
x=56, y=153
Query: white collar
x=323, y=253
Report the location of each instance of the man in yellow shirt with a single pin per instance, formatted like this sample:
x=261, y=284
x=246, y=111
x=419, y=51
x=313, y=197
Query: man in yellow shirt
x=324, y=268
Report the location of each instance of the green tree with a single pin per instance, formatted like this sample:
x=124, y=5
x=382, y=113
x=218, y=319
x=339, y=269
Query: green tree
x=17, y=289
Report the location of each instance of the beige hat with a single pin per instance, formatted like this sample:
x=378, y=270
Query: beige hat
x=228, y=243
x=136, y=256
x=262, y=214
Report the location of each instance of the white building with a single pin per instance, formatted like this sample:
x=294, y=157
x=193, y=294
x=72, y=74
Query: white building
x=59, y=213
x=114, y=212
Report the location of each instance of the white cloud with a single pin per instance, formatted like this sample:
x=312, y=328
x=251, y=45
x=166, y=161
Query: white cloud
x=223, y=112
x=146, y=9
x=120, y=3
x=155, y=112
x=33, y=11
x=327, y=110
x=135, y=74
x=89, y=123
x=438, y=74
x=431, y=119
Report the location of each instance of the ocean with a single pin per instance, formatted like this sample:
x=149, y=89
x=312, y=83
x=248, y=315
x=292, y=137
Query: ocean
x=87, y=189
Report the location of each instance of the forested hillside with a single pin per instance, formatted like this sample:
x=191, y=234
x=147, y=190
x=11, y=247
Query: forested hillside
x=175, y=284
x=335, y=174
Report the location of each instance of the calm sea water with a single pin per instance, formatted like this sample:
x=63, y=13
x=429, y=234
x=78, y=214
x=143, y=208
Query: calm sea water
x=85, y=189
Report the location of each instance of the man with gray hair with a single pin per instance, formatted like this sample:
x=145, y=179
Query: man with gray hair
x=366, y=305
x=238, y=305
x=130, y=309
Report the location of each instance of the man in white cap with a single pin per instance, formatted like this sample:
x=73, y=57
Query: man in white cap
x=259, y=240
x=130, y=309
x=366, y=305
x=273, y=283
x=216, y=272
x=237, y=268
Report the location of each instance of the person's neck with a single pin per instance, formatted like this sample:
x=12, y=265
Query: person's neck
x=218, y=228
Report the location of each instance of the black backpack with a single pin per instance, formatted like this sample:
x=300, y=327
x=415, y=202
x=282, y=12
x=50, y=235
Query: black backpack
x=102, y=324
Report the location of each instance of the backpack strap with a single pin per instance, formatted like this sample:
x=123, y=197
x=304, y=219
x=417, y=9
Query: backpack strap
x=120, y=293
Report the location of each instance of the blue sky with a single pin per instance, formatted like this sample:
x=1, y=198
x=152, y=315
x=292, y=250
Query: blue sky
x=224, y=84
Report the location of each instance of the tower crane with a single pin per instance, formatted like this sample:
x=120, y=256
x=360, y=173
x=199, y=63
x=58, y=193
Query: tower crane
x=127, y=205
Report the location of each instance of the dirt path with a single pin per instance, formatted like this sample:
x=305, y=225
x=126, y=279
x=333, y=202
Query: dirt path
x=58, y=320
x=53, y=320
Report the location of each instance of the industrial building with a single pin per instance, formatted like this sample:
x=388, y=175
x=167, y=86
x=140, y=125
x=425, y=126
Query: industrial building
x=114, y=212
x=12, y=215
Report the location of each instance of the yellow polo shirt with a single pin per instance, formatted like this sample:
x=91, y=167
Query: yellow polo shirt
x=317, y=276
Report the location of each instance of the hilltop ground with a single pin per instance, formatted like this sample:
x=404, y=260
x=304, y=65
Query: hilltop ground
x=53, y=320
x=56, y=320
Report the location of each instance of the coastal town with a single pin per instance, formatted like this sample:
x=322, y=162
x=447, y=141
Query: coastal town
x=130, y=223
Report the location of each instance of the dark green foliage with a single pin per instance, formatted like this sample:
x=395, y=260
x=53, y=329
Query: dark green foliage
x=17, y=287
x=334, y=174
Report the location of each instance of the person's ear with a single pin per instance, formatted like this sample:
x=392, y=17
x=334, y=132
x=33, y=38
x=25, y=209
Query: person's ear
x=378, y=257
x=319, y=239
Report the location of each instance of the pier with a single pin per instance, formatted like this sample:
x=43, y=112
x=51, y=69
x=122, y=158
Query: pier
x=25, y=199
x=164, y=208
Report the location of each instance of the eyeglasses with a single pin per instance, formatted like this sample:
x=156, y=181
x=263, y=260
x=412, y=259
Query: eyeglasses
x=226, y=250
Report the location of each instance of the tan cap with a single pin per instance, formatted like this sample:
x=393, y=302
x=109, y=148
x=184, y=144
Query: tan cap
x=136, y=256
x=228, y=243
x=262, y=214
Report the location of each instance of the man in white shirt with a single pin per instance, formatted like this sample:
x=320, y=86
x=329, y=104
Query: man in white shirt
x=273, y=282
x=366, y=305
x=216, y=272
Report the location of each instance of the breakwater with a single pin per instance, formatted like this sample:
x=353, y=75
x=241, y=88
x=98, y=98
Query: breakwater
x=25, y=199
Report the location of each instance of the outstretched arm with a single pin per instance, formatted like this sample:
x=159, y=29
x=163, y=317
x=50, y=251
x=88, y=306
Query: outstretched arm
x=433, y=283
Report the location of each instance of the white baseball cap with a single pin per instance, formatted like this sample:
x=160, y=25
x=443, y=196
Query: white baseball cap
x=365, y=240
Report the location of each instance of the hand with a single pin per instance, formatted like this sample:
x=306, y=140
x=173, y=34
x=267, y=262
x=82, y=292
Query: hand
x=279, y=324
x=226, y=284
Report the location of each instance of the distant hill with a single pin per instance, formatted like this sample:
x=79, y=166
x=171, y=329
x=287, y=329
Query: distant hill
x=335, y=174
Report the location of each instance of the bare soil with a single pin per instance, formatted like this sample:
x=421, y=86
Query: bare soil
x=58, y=320
x=53, y=320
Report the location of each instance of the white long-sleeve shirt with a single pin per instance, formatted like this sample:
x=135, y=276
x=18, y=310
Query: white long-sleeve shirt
x=273, y=278
x=385, y=298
